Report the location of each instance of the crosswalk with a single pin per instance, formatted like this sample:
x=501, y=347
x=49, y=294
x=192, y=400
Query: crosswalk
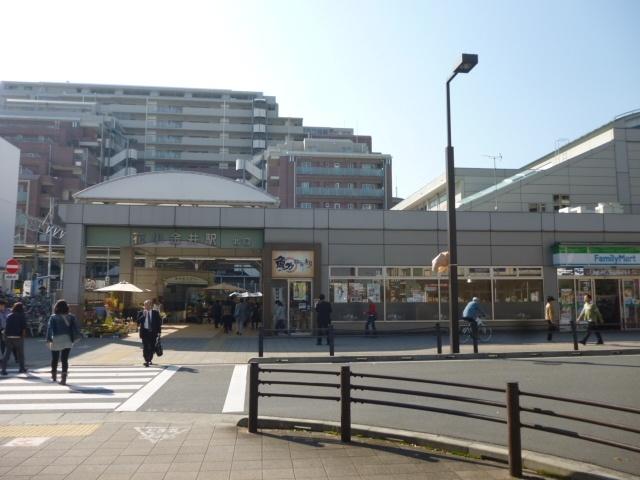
x=88, y=388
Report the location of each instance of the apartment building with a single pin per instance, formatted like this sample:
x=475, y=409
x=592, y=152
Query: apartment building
x=598, y=172
x=173, y=128
x=329, y=173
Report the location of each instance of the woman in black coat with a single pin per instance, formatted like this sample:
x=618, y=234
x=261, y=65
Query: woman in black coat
x=14, y=337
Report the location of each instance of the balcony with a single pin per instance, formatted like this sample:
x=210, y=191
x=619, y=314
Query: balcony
x=339, y=172
x=23, y=197
x=340, y=192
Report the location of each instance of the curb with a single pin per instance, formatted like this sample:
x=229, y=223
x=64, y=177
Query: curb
x=533, y=461
x=445, y=356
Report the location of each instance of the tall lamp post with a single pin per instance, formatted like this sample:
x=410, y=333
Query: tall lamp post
x=468, y=61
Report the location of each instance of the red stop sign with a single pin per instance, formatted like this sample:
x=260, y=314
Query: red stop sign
x=12, y=266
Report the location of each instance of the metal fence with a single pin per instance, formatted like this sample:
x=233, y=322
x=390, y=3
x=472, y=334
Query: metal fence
x=511, y=404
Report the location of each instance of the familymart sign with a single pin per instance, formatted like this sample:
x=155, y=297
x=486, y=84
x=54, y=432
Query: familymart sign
x=590, y=255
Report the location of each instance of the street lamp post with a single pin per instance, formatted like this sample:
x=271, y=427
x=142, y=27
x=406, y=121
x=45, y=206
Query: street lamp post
x=467, y=62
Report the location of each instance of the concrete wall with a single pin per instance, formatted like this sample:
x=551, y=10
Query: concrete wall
x=10, y=164
x=371, y=238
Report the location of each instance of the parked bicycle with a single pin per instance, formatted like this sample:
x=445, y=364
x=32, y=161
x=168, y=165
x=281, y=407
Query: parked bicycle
x=466, y=331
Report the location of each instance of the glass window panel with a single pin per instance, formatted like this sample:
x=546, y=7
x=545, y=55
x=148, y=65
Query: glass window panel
x=349, y=298
x=484, y=272
x=475, y=288
x=343, y=271
x=504, y=271
x=399, y=271
x=519, y=299
x=530, y=271
x=370, y=271
x=412, y=299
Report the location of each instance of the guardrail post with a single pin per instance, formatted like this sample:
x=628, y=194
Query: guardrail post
x=345, y=403
x=513, y=425
x=474, y=334
x=438, y=338
x=574, y=334
x=261, y=341
x=254, y=372
x=332, y=349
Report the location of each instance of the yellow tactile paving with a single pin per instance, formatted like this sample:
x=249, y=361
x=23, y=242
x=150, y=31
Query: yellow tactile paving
x=72, y=430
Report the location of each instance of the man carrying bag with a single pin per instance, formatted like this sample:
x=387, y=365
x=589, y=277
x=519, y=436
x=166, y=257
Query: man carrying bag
x=150, y=325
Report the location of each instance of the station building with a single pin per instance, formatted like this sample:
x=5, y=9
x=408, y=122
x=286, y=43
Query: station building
x=178, y=242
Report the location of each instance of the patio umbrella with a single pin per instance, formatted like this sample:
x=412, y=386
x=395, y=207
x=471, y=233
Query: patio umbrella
x=224, y=286
x=120, y=287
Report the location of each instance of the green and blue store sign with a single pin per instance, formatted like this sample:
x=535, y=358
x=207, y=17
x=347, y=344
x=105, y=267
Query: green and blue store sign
x=595, y=255
x=98, y=236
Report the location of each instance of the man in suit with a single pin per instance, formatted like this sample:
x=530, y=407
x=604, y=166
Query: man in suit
x=323, y=310
x=150, y=325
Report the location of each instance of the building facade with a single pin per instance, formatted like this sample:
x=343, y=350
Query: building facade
x=511, y=261
x=600, y=170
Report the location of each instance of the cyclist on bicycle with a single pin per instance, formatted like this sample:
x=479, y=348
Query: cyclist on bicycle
x=473, y=311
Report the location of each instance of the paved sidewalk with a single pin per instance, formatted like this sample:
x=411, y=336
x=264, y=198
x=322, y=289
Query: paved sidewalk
x=143, y=446
x=204, y=344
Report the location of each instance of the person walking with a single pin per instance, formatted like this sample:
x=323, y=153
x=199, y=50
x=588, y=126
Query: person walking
x=279, y=318
x=372, y=315
x=472, y=312
x=150, y=325
x=323, y=309
x=241, y=314
x=14, y=332
x=62, y=331
x=592, y=315
x=3, y=324
x=550, y=316
x=227, y=315
x=216, y=313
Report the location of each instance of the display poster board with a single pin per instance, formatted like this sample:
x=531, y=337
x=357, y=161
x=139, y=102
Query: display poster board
x=292, y=263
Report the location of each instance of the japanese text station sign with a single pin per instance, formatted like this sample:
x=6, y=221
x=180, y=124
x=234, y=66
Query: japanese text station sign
x=97, y=236
x=292, y=263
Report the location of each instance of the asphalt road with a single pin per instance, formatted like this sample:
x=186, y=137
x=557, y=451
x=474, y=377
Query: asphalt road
x=611, y=379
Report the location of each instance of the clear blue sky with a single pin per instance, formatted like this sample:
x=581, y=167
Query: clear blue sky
x=547, y=69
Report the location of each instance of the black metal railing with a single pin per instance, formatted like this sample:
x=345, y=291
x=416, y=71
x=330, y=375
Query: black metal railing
x=332, y=333
x=511, y=405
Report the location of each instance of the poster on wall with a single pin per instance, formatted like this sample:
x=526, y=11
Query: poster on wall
x=292, y=263
x=373, y=292
x=299, y=291
x=356, y=292
x=339, y=292
x=566, y=306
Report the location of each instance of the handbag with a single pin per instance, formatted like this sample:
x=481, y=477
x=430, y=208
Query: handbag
x=158, y=348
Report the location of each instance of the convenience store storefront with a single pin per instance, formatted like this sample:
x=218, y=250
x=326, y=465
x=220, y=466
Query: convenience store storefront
x=609, y=273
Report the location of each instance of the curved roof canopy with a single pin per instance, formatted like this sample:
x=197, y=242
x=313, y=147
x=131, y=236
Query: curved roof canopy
x=176, y=188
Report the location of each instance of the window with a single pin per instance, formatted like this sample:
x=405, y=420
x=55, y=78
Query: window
x=223, y=165
x=336, y=206
x=336, y=165
x=306, y=205
x=305, y=184
x=336, y=185
x=349, y=185
x=368, y=206
x=350, y=206
x=327, y=205
x=537, y=207
x=560, y=201
x=518, y=298
x=368, y=186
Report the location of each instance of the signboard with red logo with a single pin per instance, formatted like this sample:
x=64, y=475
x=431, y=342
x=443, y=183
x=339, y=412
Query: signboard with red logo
x=11, y=269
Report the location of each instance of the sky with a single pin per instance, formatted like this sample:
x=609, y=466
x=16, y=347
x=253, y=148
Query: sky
x=549, y=70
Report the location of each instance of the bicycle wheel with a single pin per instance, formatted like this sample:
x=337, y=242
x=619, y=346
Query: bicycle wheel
x=484, y=333
x=465, y=334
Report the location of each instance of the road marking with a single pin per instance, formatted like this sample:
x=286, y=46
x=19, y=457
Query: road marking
x=142, y=395
x=95, y=388
x=59, y=406
x=236, y=392
x=62, y=396
x=75, y=388
x=155, y=434
x=26, y=442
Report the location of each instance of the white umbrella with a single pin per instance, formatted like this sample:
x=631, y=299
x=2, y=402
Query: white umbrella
x=224, y=286
x=246, y=294
x=120, y=287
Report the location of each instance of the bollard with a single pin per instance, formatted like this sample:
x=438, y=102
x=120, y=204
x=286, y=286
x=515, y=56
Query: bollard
x=439, y=338
x=345, y=403
x=574, y=333
x=332, y=349
x=254, y=372
x=474, y=334
x=261, y=342
x=513, y=425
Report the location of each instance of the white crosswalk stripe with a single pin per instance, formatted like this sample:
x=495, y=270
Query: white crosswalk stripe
x=88, y=388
